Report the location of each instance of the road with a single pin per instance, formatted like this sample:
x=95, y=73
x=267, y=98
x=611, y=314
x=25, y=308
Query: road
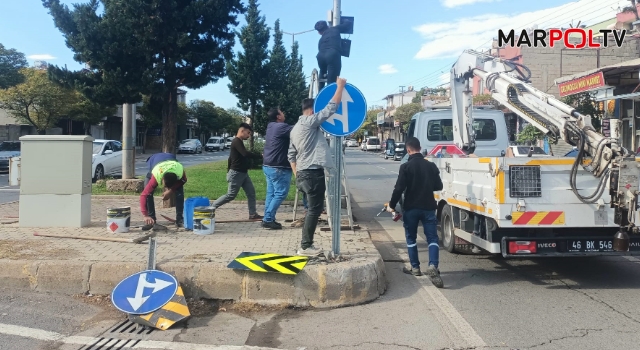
x=487, y=302
x=12, y=193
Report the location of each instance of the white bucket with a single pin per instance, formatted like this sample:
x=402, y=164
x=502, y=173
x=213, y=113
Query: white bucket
x=204, y=220
x=119, y=219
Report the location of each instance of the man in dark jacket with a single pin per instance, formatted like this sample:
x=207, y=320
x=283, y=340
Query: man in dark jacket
x=276, y=166
x=238, y=173
x=330, y=50
x=418, y=179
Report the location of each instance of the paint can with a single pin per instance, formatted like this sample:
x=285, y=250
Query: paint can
x=119, y=219
x=204, y=220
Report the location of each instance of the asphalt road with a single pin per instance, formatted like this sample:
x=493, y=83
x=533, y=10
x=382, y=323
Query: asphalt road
x=12, y=193
x=578, y=303
x=487, y=302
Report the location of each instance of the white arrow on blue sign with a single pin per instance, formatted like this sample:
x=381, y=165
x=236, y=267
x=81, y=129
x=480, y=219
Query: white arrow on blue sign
x=351, y=113
x=144, y=292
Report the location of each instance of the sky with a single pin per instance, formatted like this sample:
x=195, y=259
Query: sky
x=395, y=43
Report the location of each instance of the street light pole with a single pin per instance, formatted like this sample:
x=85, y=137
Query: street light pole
x=293, y=35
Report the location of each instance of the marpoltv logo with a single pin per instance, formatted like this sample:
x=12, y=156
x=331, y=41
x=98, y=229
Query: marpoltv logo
x=552, y=37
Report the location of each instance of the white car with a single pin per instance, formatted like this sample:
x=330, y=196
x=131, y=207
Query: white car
x=352, y=143
x=107, y=159
x=214, y=143
x=228, y=143
x=372, y=144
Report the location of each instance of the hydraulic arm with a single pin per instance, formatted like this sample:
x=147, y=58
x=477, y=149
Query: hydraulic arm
x=508, y=83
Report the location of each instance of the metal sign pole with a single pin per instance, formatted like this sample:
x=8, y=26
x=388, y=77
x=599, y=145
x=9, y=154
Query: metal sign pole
x=337, y=196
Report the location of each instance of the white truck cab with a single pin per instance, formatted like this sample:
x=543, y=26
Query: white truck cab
x=435, y=127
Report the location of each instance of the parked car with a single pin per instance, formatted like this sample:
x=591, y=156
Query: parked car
x=352, y=143
x=190, y=146
x=523, y=151
x=228, y=143
x=107, y=158
x=214, y=144
x=372, y=144
x=8, y=150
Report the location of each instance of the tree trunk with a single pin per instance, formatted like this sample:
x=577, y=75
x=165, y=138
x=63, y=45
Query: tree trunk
x=169, y=121
x=41, y=131
x=87, y=129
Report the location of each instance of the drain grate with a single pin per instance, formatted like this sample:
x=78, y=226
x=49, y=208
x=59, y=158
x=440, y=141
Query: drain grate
x=123, y=335
x=111, y=344
x=128, y=327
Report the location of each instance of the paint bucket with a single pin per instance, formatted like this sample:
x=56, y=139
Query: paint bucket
x=189, y=204
x=204, y=220
x=119, y=219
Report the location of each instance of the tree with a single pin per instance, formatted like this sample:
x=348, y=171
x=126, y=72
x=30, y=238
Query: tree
x=148, y=47
x=530, y=134
x=37, y=101
x=583, y=103
x=297, y=88
x=248, y=72
x=89, y=112
x=418, y=97
x=404, y=113
x=11, y=61
x=275, y=87
x=209, y=117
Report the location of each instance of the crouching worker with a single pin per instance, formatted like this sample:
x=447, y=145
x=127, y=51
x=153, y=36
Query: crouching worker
x=164, y=169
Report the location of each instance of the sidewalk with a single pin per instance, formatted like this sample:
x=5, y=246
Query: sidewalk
x=73, y=266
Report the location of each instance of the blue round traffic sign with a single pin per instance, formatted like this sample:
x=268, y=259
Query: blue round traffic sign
x=351, y=113
x=144, y=292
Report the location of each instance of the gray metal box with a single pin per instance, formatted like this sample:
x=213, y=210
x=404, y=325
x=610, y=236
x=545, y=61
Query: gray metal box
x=56, y=164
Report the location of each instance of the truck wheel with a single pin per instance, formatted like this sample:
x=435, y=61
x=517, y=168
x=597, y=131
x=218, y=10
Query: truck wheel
x=447, y=230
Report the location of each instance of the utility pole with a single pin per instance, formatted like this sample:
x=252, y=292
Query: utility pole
x=402, y=92
x=128, y=155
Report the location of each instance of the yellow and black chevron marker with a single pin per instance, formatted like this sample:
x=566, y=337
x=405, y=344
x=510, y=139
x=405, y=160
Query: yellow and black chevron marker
x=174, y=311
x=260, y=262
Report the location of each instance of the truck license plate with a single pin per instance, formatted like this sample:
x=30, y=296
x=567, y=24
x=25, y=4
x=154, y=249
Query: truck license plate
x=590, y=245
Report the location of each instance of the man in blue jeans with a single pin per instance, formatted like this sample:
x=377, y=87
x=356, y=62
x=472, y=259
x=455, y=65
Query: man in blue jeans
x=276, y=166
x=418, y=178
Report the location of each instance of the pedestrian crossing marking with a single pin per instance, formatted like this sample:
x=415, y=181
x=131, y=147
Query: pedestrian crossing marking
x=269, y=262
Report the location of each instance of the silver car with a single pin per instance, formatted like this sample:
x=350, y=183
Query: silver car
x=190, y=146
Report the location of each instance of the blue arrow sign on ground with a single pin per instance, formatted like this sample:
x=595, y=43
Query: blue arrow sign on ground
x=144, y=292
x=351, y=113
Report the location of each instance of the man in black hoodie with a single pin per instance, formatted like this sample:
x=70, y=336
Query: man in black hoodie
x=330, y=50
x=418, y=178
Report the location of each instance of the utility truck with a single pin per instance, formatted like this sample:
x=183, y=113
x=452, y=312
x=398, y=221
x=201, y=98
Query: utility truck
x=526, y=206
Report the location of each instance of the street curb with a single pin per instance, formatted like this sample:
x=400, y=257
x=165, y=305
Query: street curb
x=359, y=280
x=120, y=196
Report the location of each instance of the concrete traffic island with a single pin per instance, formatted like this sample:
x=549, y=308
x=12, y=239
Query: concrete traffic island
x=74, y=266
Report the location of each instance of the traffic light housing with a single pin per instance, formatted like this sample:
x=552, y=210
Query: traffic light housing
x=344, y=19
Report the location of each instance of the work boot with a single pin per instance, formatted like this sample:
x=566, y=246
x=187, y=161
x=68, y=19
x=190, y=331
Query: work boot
x=412, y=271
x=179, y=224
x=434, y=276
x=255, y=217
x=272, y=225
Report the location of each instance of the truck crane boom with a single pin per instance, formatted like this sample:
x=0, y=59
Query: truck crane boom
x=508, y=83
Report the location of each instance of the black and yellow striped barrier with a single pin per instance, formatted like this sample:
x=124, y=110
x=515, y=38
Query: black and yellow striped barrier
x=174, y=311
x=260, y=262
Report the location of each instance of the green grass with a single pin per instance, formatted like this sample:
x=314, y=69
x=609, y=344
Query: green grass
x=210, y=180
